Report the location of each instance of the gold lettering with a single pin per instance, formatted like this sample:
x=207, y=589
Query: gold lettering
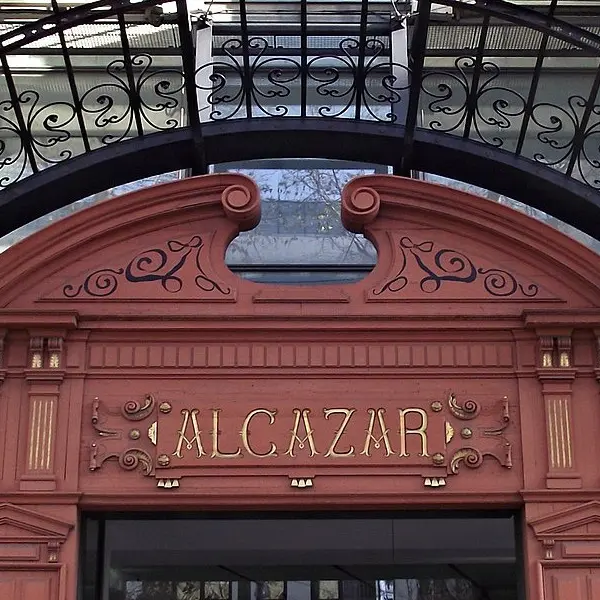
x=384, y=433
x=420, y=431
x=189, y=415
x=302, y=415
x=216, y=453
x=245, y=435
x=347, y=412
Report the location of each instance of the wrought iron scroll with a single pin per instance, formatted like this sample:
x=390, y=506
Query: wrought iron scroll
x=446, y=265
x=252, y=76
x=153, y=265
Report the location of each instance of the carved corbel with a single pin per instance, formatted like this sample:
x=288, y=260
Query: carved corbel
x=556, y=375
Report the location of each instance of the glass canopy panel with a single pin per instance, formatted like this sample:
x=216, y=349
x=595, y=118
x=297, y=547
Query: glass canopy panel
x=496, y=79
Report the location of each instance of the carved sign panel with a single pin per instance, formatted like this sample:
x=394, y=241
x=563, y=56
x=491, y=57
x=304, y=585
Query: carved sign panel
x=177, y=438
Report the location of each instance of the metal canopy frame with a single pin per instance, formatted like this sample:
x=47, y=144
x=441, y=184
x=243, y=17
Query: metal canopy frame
x=306, y=87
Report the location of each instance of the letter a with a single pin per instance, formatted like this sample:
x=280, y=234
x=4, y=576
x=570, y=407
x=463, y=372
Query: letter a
x=189, y=415
x=384, y=433
x=302, y=414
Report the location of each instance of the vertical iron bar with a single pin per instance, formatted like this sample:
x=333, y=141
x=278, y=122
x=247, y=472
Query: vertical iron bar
x=537, y=72
x=188, y=56
x=362, y=51
x=246, y=58
x=473, y=94
x=133, y=93
x=418, y=49
x=303, y=57
x=26, y=135
x=579, y=137
x=71, y=80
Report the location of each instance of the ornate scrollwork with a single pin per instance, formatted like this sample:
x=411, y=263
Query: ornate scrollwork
x=455, y=99
x=351, y=77
x=558, y=127
x=229, y=87
x=134, y=410
x=130, y=460
x=134, y=459
x=46, y=134
x=473, y=457
x=150, y=102
x=448, y=265
x=154, y=264
x=470, y=457
x=466, y=411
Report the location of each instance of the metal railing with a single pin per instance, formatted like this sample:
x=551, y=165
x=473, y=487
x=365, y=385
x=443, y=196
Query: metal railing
x=98, y=74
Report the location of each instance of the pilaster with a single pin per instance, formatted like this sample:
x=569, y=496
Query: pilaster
x=44, y=375
x=556, y=375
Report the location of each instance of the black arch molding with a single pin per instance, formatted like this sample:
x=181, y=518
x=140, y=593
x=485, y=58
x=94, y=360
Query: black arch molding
x=472, y=162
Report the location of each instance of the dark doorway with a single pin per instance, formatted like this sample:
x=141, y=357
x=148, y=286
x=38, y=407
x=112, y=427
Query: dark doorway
x=301, y=557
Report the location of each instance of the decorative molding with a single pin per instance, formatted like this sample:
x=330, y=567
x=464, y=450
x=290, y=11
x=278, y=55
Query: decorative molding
x=432, y=268
x=434, y=482
x=107, y=448
x=300, y=355
x=555, y=350
x=302, y=483
x=44, y=376
x=471, y=456
x=36, y=352
x=45, y=354
x=556, y=375
x=160, y=265
x=571, y=534
x=24, y=530
x=168, y=484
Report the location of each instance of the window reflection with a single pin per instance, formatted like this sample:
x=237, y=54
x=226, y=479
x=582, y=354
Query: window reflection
x=302, y=558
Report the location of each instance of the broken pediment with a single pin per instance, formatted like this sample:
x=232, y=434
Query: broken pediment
x=162, y=249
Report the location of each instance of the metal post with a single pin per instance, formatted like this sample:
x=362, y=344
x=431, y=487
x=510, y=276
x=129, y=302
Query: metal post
x=204, y=70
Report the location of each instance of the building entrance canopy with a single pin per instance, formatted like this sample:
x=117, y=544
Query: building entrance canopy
x=503, y=95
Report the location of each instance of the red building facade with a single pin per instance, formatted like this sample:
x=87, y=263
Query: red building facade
x=139, y=373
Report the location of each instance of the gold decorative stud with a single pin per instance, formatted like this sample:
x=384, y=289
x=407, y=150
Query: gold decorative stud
x=134, y=434
x=163, y=460
x=438, y=459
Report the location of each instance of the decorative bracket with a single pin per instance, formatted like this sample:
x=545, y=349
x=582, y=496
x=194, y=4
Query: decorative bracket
x=479, y=443
x=131, y=458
